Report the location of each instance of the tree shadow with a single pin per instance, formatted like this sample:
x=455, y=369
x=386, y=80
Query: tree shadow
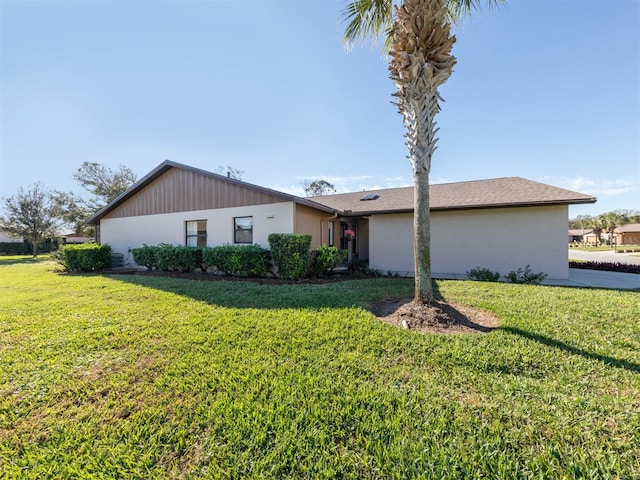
x=551, y=342
x=242, y=293
x=28, y=259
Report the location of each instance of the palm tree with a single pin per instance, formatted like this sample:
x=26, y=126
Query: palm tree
x=419, y=42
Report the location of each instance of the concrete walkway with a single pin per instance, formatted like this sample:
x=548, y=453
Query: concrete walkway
x=596, y=279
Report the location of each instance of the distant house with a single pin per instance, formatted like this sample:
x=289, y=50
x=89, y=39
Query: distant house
x=502, y=224
x=579, y=234
x=72, y=238
x=6, y=237
x=628, y=234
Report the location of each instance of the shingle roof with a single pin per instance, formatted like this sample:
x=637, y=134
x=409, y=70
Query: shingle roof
x=493, y=193
x=629, y=227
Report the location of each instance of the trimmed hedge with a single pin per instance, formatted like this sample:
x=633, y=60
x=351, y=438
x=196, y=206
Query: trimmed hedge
x=147, y=256
x=85, y=257
x=251, y=260
x=15, y=248
x=325, y=259
x=290, y=253
x=178, y=258
x=605, y=266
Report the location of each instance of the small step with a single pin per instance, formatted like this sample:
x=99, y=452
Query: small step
x=117, y=260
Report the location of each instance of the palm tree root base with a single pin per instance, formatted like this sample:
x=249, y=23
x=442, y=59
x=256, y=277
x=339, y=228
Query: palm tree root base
x=437, y=317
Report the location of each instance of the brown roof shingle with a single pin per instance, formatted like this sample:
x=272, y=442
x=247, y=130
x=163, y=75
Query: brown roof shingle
x=493, y=193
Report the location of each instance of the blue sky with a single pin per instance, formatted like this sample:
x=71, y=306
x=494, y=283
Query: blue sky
x=546, y=90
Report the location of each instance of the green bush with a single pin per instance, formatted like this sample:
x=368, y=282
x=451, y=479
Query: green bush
x=85, y=257
x=325, y=259
x=14, y=248
x=251, y=260
x=361, y=267
x=146, y=256
x=290, y=252
x=180, y=258
x=525, y=276
x=483, y=275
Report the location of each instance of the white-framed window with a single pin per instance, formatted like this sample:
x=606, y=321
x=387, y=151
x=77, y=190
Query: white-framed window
x=243, y=230
x=196, y=233
x=331, y=234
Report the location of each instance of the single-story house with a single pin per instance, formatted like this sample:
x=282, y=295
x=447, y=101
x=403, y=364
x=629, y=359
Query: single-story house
x=6, y=237
x=628, y=234
x=501, y=224
x=73, y=239
x=578, y=234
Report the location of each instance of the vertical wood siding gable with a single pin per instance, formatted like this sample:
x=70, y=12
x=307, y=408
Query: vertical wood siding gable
x=181, y=191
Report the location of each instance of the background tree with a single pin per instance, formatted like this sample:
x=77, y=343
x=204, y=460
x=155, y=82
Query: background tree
x=103, y=183
x=32, y=214
x=419, y=39
x=230, y=172
x=317, y=188
x=73, y=211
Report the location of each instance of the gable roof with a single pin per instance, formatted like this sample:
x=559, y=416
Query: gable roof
x=139, y=188
x=493, y=193
x=629, y=227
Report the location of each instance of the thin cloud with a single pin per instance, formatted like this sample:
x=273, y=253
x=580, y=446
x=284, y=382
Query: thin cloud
x=604, y=187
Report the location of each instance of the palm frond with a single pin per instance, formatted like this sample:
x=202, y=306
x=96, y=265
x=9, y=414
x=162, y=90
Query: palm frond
x=368, y=20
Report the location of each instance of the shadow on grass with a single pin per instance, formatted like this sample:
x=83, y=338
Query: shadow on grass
x=27, y=259
x=551, y=342
x=247, y=293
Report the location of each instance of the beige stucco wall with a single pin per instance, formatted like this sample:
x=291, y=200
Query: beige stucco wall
x=131, y=232
x=313, y=222
x=501, y=239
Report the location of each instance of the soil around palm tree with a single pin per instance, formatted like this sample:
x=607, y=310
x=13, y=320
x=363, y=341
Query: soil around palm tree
x=438, y=317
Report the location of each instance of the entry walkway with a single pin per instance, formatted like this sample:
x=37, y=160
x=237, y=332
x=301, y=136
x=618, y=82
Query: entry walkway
x=579, y=277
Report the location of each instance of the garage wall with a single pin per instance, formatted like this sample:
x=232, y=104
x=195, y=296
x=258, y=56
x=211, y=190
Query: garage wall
x=132, y=232
x=502, y=239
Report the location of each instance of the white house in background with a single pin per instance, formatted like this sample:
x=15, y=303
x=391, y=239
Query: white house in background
x=8, y=238
x=501, y=224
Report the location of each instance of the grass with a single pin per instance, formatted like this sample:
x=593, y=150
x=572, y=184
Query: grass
x=147, y=377
x=605, y=248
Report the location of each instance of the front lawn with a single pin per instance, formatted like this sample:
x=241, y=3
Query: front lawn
x=149, y=377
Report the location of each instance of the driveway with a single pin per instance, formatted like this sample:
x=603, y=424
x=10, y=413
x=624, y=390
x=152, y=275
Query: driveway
x=629, y=258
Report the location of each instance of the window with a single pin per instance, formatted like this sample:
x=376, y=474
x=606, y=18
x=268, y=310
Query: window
x=331, y=239
x=243, y=230
x=196, y=233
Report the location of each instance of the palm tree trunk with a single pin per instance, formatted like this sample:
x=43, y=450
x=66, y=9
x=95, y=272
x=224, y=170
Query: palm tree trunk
x=422, y=239
x=421, y=61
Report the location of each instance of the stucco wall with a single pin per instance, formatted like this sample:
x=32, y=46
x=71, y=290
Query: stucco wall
x=131, y=232
x=501, y=239
x=313, y=222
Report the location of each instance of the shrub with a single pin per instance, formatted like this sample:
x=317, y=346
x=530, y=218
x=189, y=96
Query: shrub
x=252, y=260
x=525, y=276
x=86, y=257
x=605, y=266
x=483, y=275
x=146, y=256
x=178, y=258
x=325, y=259
x=14, y=248
x=290, y=252
x=361, y=267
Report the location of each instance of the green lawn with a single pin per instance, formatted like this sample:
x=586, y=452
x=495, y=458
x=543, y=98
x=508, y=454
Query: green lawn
x=148, y=377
